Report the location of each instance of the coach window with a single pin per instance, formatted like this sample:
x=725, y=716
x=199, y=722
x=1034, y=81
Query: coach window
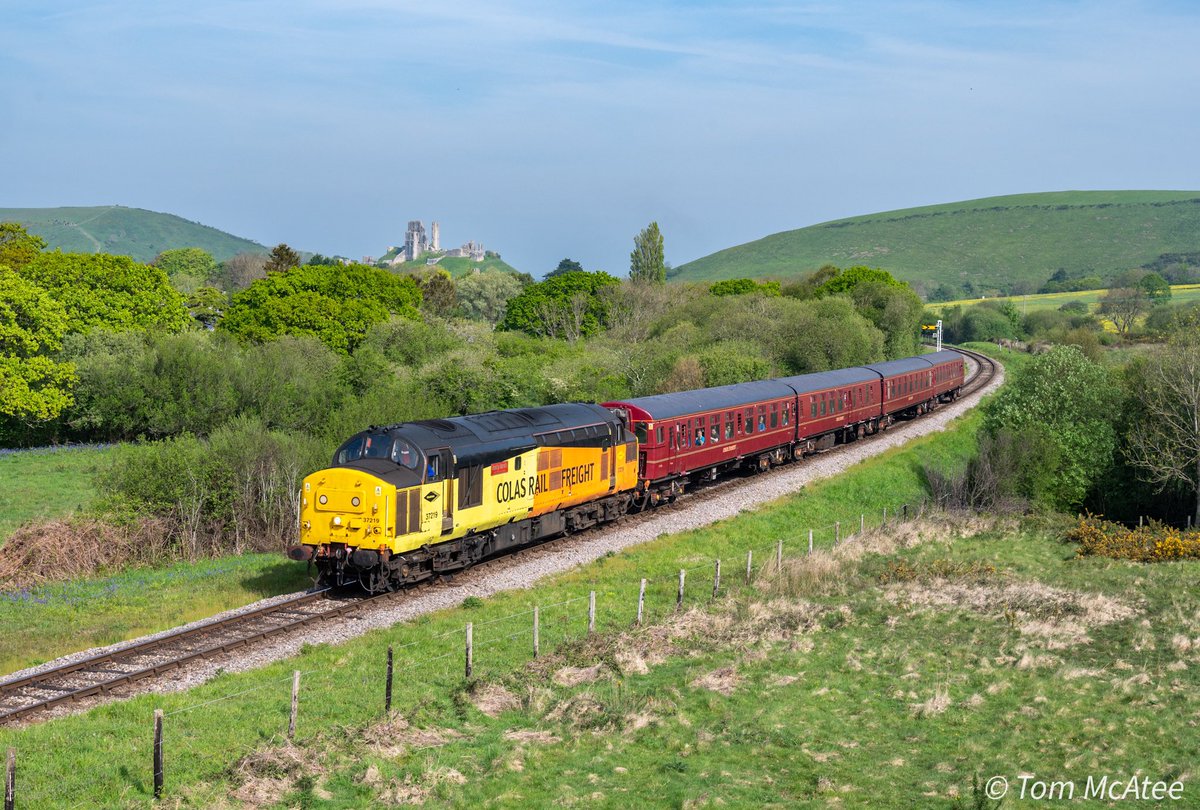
x=714, y=428
x=785, y=412
x=822, y=405
x=762, y=418
x=749, y=420
x=774, y=416
x=812, y=401
x=684, y=435
x=728, y=426
x=739, y=422
x=659, y=435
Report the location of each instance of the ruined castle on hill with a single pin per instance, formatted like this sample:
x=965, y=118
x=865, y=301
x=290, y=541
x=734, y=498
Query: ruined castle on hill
x=416, y=244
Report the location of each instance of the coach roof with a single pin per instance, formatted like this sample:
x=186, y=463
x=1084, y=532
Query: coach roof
x=725, y=397
x=823, y=380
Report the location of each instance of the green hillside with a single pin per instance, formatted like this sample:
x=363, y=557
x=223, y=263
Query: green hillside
x=457, y=266
x=991, y=242
x=125, y=231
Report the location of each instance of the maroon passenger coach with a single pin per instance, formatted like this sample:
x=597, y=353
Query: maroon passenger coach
x=696, y=435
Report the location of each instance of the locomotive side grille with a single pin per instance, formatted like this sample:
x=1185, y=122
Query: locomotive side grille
x=401, y=514
x=414, y=510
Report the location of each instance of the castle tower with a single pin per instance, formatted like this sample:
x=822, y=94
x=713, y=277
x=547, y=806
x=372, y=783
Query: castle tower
x=435, y=238
x=414, y=240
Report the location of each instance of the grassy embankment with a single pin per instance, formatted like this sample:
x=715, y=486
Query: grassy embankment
x=43, y=623
x=839, y=686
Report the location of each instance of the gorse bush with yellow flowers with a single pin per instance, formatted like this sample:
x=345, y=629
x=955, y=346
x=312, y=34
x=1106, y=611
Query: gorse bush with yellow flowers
x=1153, y=542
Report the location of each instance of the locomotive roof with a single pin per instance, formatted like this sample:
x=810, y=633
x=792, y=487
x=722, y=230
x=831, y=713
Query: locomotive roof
x=484, y=438
x=668, y=406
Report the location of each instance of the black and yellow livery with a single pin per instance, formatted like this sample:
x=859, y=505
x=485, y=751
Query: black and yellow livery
x=404, y=502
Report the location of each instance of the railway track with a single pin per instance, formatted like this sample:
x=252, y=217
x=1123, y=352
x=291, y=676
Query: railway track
x=21, y=698
x=101, y=674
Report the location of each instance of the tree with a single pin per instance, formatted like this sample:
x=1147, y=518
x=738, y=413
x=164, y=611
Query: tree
x=337, y=304
x=1123, y=305
x=18, y=247
x=565, y=266
x=569, y=306
x=33, y=386
x=438, y=296
x=1065, y=404
x=647, y=262
x=206, y=306
x=743, y=286
x=1164, y=440
x=1156, y=288
x=240, y=271
x=282, y=258
x=189, y=261
x=484, y=296
x=113, y=292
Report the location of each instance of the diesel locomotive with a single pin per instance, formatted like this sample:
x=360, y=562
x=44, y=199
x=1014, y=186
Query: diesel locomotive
x=406, y=502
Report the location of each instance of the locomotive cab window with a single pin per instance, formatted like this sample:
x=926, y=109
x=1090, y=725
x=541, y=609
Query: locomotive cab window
x=432, y=469
x=405, y=455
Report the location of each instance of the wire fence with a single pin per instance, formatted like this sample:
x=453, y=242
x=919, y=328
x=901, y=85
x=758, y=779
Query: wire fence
x=211, y=737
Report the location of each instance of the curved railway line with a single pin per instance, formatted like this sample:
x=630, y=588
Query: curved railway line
x=25, y=696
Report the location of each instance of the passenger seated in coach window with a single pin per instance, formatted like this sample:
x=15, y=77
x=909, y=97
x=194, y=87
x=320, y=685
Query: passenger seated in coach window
x=762, y=423
x=700, y=438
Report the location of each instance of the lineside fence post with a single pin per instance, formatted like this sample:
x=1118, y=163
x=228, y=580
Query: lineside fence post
x=387, y=691
x=749, y=565
x=810, y=545
x=779, y=555
x=591, y=612
x=862, y=524
x=837, y=532
x=470, y=667
x=291, y=734
x=679, y=596
x=716, y=579
x=536, y=632
x=641, y=602
x=10, y=781
x=158, y=756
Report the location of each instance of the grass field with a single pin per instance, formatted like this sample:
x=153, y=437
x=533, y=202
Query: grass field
x=46, y=484
x=990, y=242
x=1180, y=294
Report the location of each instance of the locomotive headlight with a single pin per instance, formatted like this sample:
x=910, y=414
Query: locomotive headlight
x=337, y=520
x=322, y=500
x=355, y=501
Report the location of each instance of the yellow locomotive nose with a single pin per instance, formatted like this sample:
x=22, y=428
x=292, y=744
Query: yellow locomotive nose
x=345, y=506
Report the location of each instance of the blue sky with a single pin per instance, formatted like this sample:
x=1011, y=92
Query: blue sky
x=547, y=130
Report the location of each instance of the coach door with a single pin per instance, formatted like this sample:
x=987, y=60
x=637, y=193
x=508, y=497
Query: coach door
x=676, y=449
x=441, y=469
